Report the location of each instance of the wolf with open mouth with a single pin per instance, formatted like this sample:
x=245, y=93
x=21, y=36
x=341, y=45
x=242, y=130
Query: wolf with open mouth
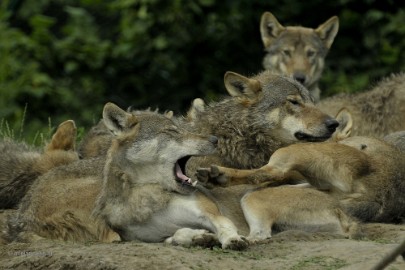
x=139, y=191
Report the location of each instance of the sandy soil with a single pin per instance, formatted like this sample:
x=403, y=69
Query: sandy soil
x=287, y=250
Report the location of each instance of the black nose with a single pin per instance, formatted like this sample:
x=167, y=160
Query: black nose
x=213, y=139
x=331, y=125
x=300, y=77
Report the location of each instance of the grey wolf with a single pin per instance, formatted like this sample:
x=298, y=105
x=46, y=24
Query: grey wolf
x=365, y=175
x=139, y=191
x=298, y=52
x=21, y=164
x=377, y=112
x=262, y=113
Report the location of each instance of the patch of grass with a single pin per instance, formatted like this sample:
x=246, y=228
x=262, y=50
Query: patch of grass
x=320, y=262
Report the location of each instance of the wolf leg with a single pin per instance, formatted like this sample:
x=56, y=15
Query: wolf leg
x=266, y=175
x=258, y=220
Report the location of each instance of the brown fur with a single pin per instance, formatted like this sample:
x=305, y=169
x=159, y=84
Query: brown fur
x=298, y=52
x=265, y=112
x=22, y=164
x=377, y=112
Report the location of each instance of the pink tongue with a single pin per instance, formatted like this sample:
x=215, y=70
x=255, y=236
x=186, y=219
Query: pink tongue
x=180, y=174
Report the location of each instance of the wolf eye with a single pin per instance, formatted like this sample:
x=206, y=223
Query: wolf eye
x=310, y=53
x=294, y=102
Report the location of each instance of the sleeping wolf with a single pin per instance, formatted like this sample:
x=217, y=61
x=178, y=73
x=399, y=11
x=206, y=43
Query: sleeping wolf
x=21, y=164
x=377, y=112
x=298, y=52
x=140, y=192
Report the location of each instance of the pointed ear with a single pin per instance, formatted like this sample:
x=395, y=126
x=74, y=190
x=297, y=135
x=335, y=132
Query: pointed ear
x=328, y=30
x=64, y=137
x=116, y=119
x=197, y=106
x=238, y=85
x=343, y=131
x=270, y=28
x=169, y=114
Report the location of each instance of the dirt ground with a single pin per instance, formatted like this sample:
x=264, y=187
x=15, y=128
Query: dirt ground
x=287, y=250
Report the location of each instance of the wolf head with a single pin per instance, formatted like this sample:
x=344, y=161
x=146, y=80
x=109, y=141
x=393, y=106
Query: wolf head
x=151, y=148
x=282, y=106
x=295, y=51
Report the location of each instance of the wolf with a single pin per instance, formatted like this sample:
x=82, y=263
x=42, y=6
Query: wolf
x=376, y=112
x=366, y=175
x=21, y=164
x=139, y=192
x=263, y=113
x=298, y=52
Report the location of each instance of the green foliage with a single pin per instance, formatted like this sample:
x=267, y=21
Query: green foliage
x=63, y=59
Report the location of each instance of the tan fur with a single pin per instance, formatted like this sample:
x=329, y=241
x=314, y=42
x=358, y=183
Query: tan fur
x=377, y=112
x=292, y=207
x=297, y=51
x=21, y=164
x=364, y=174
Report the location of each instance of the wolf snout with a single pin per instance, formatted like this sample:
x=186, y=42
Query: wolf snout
x=300, y=77
x=331, y=125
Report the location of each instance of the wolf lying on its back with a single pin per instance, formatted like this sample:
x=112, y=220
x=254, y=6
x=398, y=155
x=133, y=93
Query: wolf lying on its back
x=366, y=175
x=20, y=164
x=143, y=194
x=297, y=51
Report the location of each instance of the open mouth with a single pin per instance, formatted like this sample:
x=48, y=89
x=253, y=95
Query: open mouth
x=309, y=138
x=179, y=169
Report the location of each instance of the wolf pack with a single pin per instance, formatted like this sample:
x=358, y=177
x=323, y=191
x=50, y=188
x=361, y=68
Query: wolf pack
x=270, y=156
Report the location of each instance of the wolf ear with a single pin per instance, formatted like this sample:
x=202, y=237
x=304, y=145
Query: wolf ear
x=344, y=117
x=64, y=137
x=238, y=85
x=116, y=119
x=270, y=28
x=197, y=106
x=328, y=30
x=169, y=114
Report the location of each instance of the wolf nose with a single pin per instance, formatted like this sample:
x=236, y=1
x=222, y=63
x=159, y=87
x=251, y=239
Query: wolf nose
x=300, y=77
x=331, y=125
x=213, y=139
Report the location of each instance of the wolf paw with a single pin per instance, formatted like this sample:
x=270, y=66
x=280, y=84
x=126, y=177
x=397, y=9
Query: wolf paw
x=206, y=240
x=211, y=175
x=236, y=243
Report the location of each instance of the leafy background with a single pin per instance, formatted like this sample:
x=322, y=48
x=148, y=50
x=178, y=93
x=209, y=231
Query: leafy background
x=64, y=59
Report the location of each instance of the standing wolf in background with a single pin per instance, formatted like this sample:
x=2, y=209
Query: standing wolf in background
x=377, y=112
x=298, y=52
x=21, y=164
